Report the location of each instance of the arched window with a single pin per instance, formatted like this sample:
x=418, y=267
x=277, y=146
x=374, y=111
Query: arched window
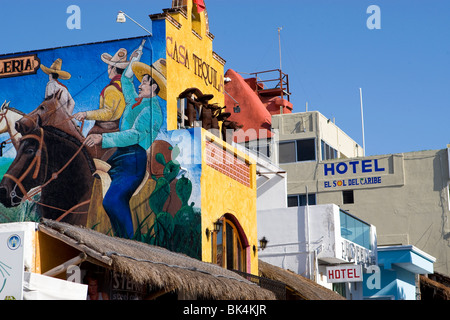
x=229, y=245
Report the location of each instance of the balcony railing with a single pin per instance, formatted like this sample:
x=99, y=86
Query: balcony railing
x=272, y=83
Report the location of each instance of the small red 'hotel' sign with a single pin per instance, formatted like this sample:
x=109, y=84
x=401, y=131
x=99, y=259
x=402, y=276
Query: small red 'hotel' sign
x=19, y=66
x=345, y=273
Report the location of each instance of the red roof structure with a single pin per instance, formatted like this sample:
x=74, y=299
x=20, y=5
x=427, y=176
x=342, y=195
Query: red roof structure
x=252, y=105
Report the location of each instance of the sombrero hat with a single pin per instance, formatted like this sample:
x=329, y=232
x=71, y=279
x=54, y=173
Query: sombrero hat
x=205, y=98
x=223, y=115
x=189, y=91
x=56, y=68
x=157, y=71
x=119, y=59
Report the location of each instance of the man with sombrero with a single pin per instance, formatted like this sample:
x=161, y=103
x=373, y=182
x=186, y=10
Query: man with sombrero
x=111, y=103
x=54, y=85
x=141, y=122
x=228, y=126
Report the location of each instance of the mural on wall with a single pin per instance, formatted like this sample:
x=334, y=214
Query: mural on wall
x=84, y=140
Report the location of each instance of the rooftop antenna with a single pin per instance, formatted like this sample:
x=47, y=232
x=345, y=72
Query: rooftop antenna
x=279, y=43
x=362, y=122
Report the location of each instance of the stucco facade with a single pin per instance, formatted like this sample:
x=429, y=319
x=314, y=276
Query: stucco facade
x=193, y=179
x=307, y=240
x=191, y=60
x=404, y=195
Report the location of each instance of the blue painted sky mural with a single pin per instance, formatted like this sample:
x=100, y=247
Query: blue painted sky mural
x=172, y=211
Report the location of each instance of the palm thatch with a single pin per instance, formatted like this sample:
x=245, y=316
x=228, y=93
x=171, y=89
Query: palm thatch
x=300, y=286
x=433, y=290
x=157, y=267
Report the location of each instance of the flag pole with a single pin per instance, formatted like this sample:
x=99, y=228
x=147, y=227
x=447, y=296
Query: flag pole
x=279, y=44
x=362, y=122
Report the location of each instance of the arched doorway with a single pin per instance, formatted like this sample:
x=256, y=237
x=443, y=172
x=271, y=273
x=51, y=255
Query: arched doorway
x=230, y=245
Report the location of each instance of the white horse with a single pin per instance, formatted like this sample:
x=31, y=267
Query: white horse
x=8, y=118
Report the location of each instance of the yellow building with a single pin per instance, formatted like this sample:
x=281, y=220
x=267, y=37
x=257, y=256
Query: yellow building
x=228, y=188
x=198, y=194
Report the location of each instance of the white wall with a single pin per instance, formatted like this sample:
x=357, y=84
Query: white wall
x=271, y=191
x=288, y=236
x=284, y=229
x=29, y=229
x=290, y=230
x=338, y=139
x=271, y=181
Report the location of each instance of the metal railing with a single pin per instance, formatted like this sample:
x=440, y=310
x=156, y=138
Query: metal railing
x=277, y=82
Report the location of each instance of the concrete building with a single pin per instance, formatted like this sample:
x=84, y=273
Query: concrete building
x=308, y=240
x=321, y=165
x=405, y=195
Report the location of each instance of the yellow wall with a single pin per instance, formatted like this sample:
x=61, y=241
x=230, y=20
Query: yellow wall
x=190, y=54
x=190, y=60
x=221, y=195
x=49, y=253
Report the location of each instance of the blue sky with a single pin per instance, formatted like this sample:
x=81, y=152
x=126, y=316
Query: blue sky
x=327, y=50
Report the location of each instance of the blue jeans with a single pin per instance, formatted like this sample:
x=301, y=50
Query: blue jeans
x=128, y=166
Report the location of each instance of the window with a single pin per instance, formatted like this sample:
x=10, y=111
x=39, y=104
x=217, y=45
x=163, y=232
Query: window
x=348, y=197
x=228, y=251
x=306, y=150
x=328, y=153
x=448, y=195
x=340, y=288
x=287, y=152
x=261, y=146
x=355, y=230
x=295, y=151
x=299, y=200
x=264, y=149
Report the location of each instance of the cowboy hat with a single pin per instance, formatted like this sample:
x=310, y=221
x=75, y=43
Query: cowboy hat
x=189, y=91
x=223, y=115
x=157, y=71
x=56, y=68
x=205, y=98
x=119, y=59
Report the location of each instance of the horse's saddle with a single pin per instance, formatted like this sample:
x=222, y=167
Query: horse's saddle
x=101, y=172
x=154, y=167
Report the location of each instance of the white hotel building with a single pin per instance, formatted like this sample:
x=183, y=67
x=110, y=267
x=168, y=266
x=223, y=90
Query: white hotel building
x=405, y=195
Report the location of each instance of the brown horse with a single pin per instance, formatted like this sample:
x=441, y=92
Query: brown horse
x=50, y=112
x=51, y=156
x=60, y=166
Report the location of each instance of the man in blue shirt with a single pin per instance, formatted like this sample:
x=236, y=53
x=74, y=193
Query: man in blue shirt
x=140, y=124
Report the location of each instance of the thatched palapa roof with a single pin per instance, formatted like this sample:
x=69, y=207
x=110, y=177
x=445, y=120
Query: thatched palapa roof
x=302, y=287
x=433, y=290
x=157, y=267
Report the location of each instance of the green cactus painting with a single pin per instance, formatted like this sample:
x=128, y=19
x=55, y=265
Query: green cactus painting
x=180, y=231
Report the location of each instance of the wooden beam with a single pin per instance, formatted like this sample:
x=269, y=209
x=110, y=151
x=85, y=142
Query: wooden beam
x=73, y=243
x=63, y=267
